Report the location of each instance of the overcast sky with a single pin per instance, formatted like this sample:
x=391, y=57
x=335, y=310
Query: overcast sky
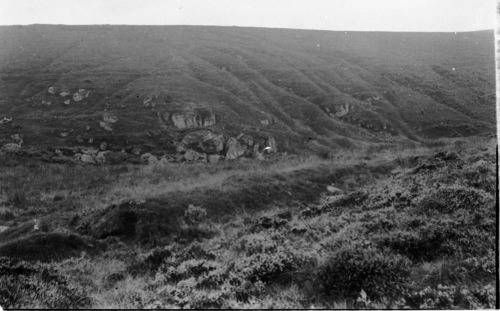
x=382, y=15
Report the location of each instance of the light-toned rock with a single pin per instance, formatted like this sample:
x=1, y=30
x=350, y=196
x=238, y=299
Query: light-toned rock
x=5, y=120
x=101, y=157
x=64, y=93
x=51, y=90
x=246, y=139
x=87, y=158
x=77, y=97
x=191, y=155
x=64, y=134
x=334, y=190
x=149, y=158
x=264, y=122
x=204, y=141
x=90, y=151
x=192, y=119
x=343, y=110
x=109, y=118
x=234, y=149
x=103, y=146
x=106, y=126
x=67, y=102
x=17, y=138
x=271, y=147
x=11, y=147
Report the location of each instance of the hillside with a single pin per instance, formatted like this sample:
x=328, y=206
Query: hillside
x=144, y=88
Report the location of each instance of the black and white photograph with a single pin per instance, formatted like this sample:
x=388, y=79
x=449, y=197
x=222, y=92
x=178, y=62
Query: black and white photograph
x=249, y=154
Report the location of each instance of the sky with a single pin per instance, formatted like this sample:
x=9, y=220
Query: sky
x=350, y=15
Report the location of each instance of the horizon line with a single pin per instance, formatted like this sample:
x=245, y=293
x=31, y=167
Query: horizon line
x=262, y=27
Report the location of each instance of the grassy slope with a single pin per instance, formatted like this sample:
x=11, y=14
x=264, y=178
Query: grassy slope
x=417, y=225
x=415, y=85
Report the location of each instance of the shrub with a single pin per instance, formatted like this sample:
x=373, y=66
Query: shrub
x=194, y=214
x=449, y=200
x=357, y=267
x=24, y=285
x=452, y=297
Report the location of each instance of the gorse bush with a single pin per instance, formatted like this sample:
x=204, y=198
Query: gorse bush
x=24, y=285
x=353, y=268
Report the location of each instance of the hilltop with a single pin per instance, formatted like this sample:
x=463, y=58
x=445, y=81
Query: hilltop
x=169, y=89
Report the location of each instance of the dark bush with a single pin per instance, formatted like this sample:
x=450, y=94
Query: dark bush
x=353, y=268
x=449, y=200
x=24, y=285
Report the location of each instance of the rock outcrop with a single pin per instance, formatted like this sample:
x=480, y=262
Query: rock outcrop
x=5, y=120
x=202, y=141
x=234, y=149
x=192, y=119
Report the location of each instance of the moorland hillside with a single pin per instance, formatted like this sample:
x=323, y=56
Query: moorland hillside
x=145, y=88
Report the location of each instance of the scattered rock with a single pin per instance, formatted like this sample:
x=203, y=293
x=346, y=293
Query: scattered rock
x=11, y=147
x=149, y=158
x=100, y=158
x=109, y=118
x=77, y=97
x=202, y=141
x=105, y=126
x=246, y=139
x=234, y=149
x=334, y=190
x=17, y=138
x=192, y=119
x=87, y=158
x=191, y=155
x=6, y=120
x=103, y=146
x=272, y=147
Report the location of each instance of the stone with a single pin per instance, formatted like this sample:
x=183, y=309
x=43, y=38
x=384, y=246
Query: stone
x=51, y=90
x=334, y=190
x=105, y=126
x=103, y=146
x=77, y=97
x=64, y=93
x=109, y=118
x=343, y=110
x=17, y=138
x=264, y=122
x=64, y=134
x=246, y=139
x=234, y=149
x=11, y=147
x=101, y=157
x=191, y=155
x=6, y=120
x=149, y=158
x=87, y=158
x=79, y=139
x=271, y=145
x=90, y=151
x=192, y=119
x=203, y=141
x=67, y=102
